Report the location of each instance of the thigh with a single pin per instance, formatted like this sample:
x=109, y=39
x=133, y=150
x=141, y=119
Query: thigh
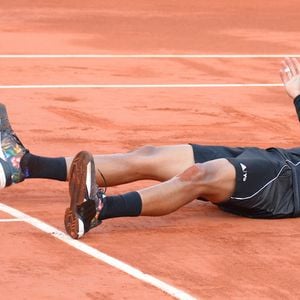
x=164, y=162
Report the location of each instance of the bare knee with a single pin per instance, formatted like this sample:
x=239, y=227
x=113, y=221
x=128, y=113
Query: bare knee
x=213, y=180
x=195, y=174
x=145, y=156
x=145, y=161
x=145, y=151
x=219, y=180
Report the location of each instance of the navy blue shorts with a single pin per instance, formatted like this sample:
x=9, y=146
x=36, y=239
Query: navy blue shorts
x=264, y=180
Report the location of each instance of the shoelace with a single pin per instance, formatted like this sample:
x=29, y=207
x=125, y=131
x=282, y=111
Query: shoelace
x=100, y=195
x=96, y=221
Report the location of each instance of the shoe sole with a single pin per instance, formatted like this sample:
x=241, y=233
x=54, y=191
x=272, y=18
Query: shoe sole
x=5, y=124
x=80, y=178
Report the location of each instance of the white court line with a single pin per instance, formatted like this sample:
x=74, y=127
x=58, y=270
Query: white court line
x=137, y=86
x=11, y=220
x=171, y=290
x=147, y=55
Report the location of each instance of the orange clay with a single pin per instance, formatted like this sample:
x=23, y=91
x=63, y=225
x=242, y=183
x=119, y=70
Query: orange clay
x=200, y=249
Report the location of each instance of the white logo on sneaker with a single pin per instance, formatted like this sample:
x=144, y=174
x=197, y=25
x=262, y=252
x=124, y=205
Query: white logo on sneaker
x=245, y=172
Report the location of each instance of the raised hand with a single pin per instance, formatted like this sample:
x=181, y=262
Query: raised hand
x=290, y=76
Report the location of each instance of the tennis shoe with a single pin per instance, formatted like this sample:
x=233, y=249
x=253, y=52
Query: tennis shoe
x=86, y=197
x=11, y=152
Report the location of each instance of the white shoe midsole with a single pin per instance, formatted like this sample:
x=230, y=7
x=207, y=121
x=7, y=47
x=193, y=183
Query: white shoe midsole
x=2, y=173
x=80, y=228
x=2, y=177
x=88, y=181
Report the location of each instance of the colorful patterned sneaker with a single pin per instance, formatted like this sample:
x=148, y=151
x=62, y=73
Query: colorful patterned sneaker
x=86, y=197
x=11, y=153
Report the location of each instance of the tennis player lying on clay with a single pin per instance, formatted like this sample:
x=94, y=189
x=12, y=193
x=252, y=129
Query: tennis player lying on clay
x=247, y=181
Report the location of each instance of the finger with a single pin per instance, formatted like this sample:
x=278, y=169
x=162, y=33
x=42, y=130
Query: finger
x=291, y=65
x=296, y=64
x=284, y=65
x=287, y=70
x=284, y=76
x=284, y=72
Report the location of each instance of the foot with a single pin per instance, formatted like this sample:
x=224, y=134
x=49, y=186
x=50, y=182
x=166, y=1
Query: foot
x=86, y=197
x=11, y=152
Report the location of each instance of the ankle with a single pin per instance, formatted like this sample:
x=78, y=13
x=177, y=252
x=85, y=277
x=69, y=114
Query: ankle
x=126, y=205
x=34, y=166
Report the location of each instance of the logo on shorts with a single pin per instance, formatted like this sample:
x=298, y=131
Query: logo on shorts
x=245, y=172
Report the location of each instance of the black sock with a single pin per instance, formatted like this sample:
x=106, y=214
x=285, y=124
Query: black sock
x=34, y=166
x=126, y=205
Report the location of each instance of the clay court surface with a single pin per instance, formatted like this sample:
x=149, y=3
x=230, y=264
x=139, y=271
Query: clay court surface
x=199, y=250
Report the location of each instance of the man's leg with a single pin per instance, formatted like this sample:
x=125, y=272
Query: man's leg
x=157, y=163
x=213, y=180
x=148, y=162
